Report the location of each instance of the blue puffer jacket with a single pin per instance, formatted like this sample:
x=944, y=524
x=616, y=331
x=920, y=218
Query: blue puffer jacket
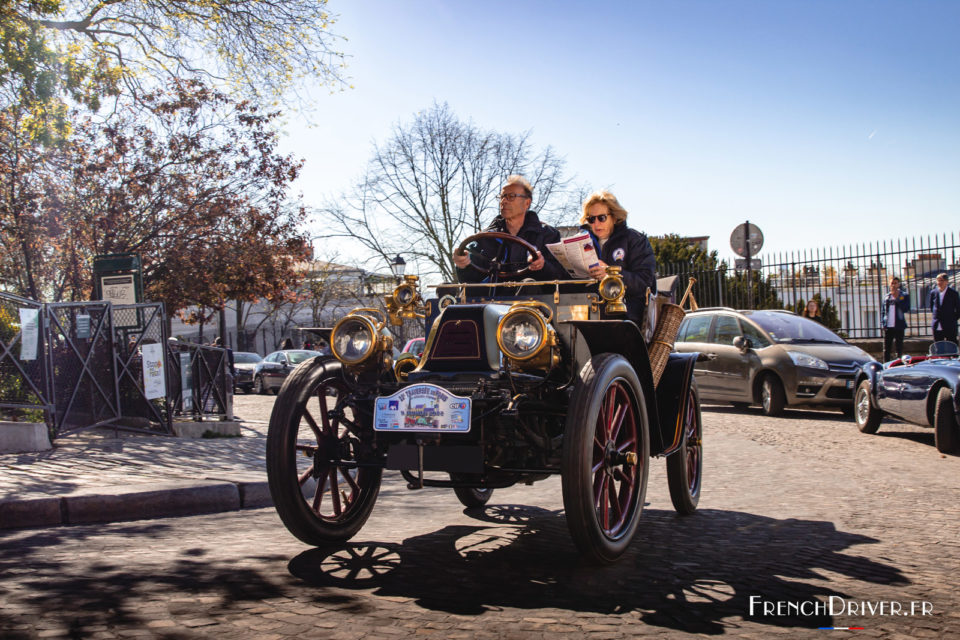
x=900, y=305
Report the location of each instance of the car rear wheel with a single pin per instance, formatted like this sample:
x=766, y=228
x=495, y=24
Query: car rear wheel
x=605, y=463
x=772, y=396
x=258, y=386
x=314, y=448
x=867, y=416
x=685, y=467
x=946, y=434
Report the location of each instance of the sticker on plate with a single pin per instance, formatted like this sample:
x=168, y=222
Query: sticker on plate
x=422, y=407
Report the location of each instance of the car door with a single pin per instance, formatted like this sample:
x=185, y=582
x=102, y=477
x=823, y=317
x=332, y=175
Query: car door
x=729, y=368
x=694, y=336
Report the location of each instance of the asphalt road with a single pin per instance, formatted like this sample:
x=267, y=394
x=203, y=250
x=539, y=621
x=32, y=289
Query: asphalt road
x=803, y=523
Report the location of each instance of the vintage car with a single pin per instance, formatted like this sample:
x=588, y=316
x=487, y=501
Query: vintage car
x=924, y=390
x=519, y=381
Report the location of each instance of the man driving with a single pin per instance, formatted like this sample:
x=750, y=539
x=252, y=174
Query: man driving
x=517, y=220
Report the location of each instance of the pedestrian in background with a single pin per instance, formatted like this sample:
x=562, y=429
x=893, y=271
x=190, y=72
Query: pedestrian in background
x=287, y=343
x=812, y=311
x=893, y=318
x=945, y=307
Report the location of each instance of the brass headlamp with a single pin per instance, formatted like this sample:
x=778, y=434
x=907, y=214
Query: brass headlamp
x=357, y=338
x=613, y=290
x=526, y=338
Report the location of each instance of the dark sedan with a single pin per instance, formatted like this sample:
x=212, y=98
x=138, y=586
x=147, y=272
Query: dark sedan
x=923, y=390
x=270, y=372
x=771, y=358
x=244, y=363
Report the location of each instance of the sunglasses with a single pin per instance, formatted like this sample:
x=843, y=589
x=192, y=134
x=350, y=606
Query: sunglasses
x=600, y=218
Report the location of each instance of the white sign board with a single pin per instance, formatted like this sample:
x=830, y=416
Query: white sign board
x=118, y=289
x=154, y=376
x=29, y=333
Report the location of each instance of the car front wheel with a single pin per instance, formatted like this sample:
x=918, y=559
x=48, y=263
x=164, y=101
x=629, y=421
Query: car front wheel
x=772, y=396
x=946, y=434
x=605, y=463
x=258, y=386
x=322, y=484
x=868, y=417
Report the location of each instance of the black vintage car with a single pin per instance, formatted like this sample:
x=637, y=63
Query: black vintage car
x=518, y=381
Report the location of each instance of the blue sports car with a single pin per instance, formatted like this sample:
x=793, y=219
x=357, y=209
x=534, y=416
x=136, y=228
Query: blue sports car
x=923, y=390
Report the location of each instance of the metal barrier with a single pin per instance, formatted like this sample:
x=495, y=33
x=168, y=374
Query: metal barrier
x=853, y=281
x=25, y=391
x=200, y=383
x=136, y=326
x=82, y=365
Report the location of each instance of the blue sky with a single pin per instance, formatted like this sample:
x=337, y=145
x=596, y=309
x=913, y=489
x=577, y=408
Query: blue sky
x=826, y=123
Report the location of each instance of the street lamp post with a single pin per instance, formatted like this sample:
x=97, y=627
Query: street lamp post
x=397, y=267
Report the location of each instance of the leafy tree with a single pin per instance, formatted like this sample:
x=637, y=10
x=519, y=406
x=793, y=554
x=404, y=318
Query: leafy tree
x=197, y=189
x=435, y=182
x=677, y=254
x=86, y=50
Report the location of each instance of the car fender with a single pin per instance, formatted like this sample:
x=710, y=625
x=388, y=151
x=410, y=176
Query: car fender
x=871, y=371
x=622, y=337
x=673, y=391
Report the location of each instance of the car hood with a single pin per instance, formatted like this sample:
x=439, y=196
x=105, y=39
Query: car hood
x=843, y=354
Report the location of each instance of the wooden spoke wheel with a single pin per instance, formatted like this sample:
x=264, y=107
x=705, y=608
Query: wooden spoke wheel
x=685, y=467
x=320, y=486
x=605, y=462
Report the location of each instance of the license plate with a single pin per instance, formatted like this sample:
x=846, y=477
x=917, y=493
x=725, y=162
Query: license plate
x=422, y=407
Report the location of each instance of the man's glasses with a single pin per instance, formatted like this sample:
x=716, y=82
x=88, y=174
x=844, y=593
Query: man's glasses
x=513, y=196
x=600, y=218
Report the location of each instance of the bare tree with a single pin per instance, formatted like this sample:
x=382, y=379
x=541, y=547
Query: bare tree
x=436, y=181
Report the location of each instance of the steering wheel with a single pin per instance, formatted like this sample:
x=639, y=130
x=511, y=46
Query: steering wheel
x=495, y=267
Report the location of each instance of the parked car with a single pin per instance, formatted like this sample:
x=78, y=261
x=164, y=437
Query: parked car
x=244, y=363
x=415, y=346
x=269, y=373
x=514, y=386
x=773, y=358
x=923, y=390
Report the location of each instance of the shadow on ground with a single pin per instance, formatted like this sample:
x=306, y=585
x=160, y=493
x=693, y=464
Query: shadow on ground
x=681, y=573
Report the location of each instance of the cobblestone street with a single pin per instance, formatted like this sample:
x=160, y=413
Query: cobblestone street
x=801, y=509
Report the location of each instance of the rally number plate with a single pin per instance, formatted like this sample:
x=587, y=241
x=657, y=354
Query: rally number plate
x=422, y=407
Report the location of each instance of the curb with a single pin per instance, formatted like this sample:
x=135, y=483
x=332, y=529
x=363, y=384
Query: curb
x=118, y=504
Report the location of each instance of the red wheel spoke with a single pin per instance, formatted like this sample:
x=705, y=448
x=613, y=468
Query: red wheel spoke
x=312, y=423
x=350, y=481
x=615, y=502
x=305, y=476
x=609, y=403
x=599, y=486
x=318, y=494
x=617, y=422
x=335, y=492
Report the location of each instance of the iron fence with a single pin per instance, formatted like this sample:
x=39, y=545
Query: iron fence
x=200, y=383
x=848, y=282
x=25, y=392
x=135, y=327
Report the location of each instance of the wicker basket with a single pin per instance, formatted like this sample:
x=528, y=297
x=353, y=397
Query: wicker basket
x=669, y=318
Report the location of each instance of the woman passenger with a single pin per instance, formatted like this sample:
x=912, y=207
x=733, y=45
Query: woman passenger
x=619, y=245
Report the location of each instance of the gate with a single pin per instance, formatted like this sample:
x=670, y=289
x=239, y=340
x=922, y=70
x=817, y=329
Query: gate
x=82, y=365
x=134, y=327
x=25, y=391
x=200, y=382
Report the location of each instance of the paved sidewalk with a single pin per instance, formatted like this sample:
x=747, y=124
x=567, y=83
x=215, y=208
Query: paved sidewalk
x=109, y=476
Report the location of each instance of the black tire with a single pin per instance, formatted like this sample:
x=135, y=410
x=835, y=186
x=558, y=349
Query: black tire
x=258, y=387
x=946, y=433
x=772, y=397
x=471, y=497
x=607, y=421
x=331, y=504
x=867, y=416
x=685, y=466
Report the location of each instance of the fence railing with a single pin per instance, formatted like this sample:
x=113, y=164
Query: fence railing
x=849, y=283
x=77, y=365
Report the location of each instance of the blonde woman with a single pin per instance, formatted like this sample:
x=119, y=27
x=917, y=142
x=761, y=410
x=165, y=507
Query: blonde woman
x=618, y=245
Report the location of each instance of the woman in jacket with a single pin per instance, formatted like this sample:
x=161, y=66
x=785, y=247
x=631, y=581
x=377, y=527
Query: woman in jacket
x=621, y=246
x=893, y=318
